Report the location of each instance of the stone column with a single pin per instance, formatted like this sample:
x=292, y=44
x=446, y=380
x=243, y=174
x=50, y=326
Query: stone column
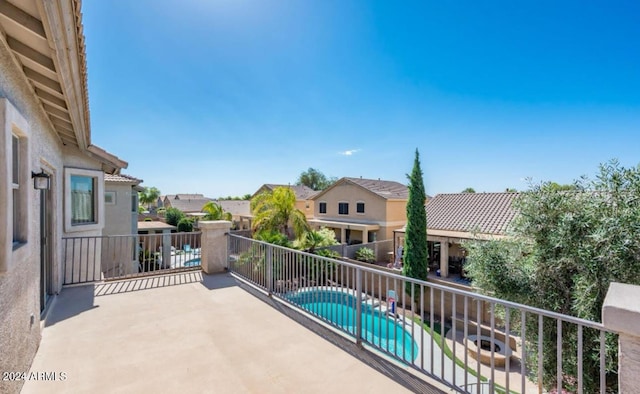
x=213, y=253
x=343, y=235
x=166, y=249
x=444, y=258
x=621, y=313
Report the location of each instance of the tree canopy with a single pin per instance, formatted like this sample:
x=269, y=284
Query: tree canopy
x=276, y=211
x=415, y=251
x=173, y=215
x=567, y=246
x=148, y=196
x=215, y=212
x=315, y=179
x=469, y=190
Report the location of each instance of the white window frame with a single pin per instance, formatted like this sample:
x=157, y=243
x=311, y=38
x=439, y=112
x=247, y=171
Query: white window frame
x=319, y=207
x=364, y=206
x=98, y=202
x=13, y=124
x=343, y=202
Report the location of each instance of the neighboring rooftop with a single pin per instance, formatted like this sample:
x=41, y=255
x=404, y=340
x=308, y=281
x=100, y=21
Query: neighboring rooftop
x=236, y=207
x=486, y=213
x=302, y=192
x=154, y=225
x=190, y=205
x=122, y=178
x=183, y=196
x=389, y=190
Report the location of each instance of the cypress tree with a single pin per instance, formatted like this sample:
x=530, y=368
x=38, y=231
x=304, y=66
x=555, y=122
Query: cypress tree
x=415, y=251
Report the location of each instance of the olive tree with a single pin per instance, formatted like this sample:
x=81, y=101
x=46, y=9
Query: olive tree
x=566, y=246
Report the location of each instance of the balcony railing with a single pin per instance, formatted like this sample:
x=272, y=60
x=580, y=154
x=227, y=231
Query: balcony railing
x=470, y=342
x=95, y=258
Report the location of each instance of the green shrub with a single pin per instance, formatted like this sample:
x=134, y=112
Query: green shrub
x=365, y=254
x=328, y=253
x=173, y=216
x=185, y=225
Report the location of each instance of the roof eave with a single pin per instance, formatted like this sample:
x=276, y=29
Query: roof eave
x=111, y=163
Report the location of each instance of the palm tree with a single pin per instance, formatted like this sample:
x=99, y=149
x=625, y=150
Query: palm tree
x=276, y=211
x=215, y=212
x=148, y=196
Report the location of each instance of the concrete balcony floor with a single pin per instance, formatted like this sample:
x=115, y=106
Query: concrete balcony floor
x=190, y=332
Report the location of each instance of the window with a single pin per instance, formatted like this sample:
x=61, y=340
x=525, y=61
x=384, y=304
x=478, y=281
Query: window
x=360, y=207
x=83, y=200
x=134, y=202
x=19, y=187
x=343, y=208
x=15, y=190
x=110, y=198
x=15, y=187
x=84, y=210
x=322, y=207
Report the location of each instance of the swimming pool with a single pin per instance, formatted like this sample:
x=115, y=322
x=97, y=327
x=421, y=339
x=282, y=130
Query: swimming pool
x=192, y=263
x=378, y=328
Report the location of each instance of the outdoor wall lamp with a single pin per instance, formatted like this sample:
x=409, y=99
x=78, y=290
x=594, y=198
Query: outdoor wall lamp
x=40, y=180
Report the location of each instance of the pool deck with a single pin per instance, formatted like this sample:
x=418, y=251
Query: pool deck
x=190, y=332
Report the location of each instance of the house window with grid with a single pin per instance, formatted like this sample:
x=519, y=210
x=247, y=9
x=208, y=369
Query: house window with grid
x=360, y=207
x=83, y=200
x=322, y=207
x=343, y=208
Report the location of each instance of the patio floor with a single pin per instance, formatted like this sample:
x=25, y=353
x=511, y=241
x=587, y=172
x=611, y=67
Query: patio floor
x=190, y=332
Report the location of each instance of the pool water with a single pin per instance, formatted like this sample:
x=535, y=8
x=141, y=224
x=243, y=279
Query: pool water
x=192, y=262
x=378, y=328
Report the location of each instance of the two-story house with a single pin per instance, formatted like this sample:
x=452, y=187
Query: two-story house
x=52, y=178
x=361, y=210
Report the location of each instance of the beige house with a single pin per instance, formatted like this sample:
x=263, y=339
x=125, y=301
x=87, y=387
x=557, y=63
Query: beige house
x=361, y=210
x=187, y=203
x=121, y=218
x=51, y=176
x=455, y=218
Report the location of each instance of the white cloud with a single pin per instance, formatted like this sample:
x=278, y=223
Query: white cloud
x=349, y=152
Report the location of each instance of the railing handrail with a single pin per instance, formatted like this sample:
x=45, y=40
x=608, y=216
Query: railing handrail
x=465, y=293
x=131, y=235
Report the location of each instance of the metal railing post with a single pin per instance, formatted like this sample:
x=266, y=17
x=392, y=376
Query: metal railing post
x=358, y=332
x=269, y=263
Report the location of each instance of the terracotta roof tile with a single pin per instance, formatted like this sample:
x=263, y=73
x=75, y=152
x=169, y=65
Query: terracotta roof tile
x=121, y=178
x=302, y=192
x=385, y=189
x=487, y=213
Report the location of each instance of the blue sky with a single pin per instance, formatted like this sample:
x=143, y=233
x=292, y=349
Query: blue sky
x=221, y=96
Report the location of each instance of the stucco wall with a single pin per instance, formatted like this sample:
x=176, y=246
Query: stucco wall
x=20, y=282
x=374, y=205
x=118, y=216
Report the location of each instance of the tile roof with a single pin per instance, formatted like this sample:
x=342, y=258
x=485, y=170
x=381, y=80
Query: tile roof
x=385, y=189
x=487, y=213
x=155, y=225
x=190, y=205
x=185, y=196
x=121, y=178
x=302, y=192
x=236, y=207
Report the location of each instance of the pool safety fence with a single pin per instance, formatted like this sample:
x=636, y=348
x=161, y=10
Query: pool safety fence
x=114, y=257
x=519, y=349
